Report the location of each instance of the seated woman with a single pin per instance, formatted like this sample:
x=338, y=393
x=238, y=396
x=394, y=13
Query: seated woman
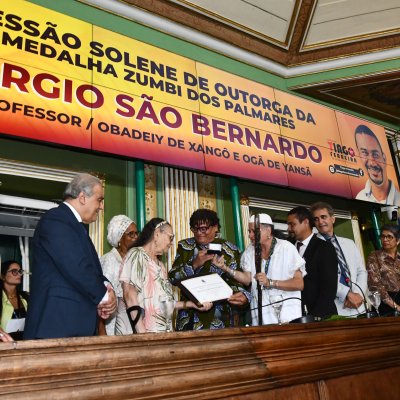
x=14, y=302
x=144, y=278
x=383, y=268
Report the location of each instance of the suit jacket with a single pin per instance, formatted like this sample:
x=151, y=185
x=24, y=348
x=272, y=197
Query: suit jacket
x=320, y=283
x=67, y=281
x=358, y=274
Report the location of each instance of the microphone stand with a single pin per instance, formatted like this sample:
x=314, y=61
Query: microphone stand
x=368, y=314
x=257, y=263
x=303, y=319
x=396, y=312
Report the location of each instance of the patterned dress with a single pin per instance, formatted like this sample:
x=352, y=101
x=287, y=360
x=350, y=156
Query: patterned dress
x=221, y=315
x=384, y=277
x=150, y=281
x=111, y=264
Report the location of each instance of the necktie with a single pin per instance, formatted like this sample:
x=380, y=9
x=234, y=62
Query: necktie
x=344, y=269
x=298, y=245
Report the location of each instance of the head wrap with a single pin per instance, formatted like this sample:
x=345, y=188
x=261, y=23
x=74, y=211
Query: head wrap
x=116, y=228
x=264, y=219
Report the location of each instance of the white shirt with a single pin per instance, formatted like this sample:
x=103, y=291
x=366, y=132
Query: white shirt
x=393, y=197
x=77, y=215
x=305, y=242
x=285, y=261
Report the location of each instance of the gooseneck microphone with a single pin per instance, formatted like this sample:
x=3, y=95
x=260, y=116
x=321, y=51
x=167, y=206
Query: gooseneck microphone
x=396, y=312
x=306, y=318
x=258, y=264
x=368, y=314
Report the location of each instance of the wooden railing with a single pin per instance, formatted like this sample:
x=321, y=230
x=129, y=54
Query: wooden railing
x=351, y=359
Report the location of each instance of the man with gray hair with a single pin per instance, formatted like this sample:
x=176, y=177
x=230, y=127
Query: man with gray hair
x=352, y=275
x=68, y=289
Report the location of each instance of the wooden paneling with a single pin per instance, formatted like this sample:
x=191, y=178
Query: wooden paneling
x=313, y=361
x=375, y=95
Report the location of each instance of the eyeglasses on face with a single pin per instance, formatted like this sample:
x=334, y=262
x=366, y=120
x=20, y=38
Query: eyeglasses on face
x=171, y=236
x=387, y=237
x=200, y=229
x=16, y=272
x=132, y=234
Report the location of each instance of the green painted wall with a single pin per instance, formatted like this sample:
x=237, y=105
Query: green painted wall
x=111, y=168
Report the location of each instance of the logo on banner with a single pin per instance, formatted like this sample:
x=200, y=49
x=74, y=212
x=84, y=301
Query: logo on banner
x=342, y=152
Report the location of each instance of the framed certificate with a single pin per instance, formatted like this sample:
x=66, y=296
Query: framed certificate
x=207, y=288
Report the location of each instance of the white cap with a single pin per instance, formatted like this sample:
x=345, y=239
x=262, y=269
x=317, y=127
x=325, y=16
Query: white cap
x=264, y=219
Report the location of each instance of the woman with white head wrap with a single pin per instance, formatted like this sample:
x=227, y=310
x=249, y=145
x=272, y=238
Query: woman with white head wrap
x=121, y=234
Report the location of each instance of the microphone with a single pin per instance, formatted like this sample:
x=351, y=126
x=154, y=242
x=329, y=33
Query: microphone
x=278, y=301
x=303, y=319
x=368, y=314
x=396, y=311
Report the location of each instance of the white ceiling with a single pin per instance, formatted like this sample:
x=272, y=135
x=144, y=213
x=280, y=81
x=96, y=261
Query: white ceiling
x=271, y=20
x=333, y=21
x=339, y=21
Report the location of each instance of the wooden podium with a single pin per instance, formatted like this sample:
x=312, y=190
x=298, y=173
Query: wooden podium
x=348, y=359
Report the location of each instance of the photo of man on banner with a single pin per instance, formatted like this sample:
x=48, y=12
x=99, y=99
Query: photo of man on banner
x=378, y=188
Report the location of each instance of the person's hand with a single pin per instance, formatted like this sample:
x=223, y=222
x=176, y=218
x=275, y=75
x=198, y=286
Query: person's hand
x=262, y=278
x=5, y=337
x=219, y=261
x=204, y=307
x=353, y=300
x=108, y=307
x=237, y=299
x=201, y=258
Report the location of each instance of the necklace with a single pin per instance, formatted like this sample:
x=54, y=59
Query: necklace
x=11, y=296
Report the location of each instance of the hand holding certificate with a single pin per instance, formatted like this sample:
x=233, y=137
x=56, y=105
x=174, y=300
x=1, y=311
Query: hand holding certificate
x=208, y=288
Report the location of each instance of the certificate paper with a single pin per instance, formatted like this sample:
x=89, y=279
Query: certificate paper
x=207, y=288
x=15, y=325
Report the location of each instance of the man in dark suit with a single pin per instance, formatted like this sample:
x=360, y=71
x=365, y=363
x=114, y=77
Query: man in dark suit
x=68, y=289
x=320, y=283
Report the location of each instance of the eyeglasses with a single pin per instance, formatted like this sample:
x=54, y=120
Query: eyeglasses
x=171, y=236
x=387, y=237
x=16, y=272
x=132, y=234
x=200, y=229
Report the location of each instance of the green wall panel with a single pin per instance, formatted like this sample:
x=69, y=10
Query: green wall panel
x=113, y=170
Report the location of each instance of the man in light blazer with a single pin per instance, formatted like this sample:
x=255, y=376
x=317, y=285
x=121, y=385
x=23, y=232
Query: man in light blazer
x=320, y=283
x=68, y=289
x=349, y=299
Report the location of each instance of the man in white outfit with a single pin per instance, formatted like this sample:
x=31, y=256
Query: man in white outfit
x=351, y=267
x=282, y=272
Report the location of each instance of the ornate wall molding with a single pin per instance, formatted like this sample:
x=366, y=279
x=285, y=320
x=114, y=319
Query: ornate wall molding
x=181, y=199
x=150, y=176
x=207, y=192
x=46, y=173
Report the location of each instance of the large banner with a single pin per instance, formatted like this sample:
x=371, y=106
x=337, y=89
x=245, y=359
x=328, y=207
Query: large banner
x=66, y=81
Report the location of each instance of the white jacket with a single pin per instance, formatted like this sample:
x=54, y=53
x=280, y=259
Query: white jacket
x=358, y=274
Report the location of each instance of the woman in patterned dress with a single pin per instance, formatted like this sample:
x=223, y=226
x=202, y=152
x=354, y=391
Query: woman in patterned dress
x=383, y=268
x=144, y=277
